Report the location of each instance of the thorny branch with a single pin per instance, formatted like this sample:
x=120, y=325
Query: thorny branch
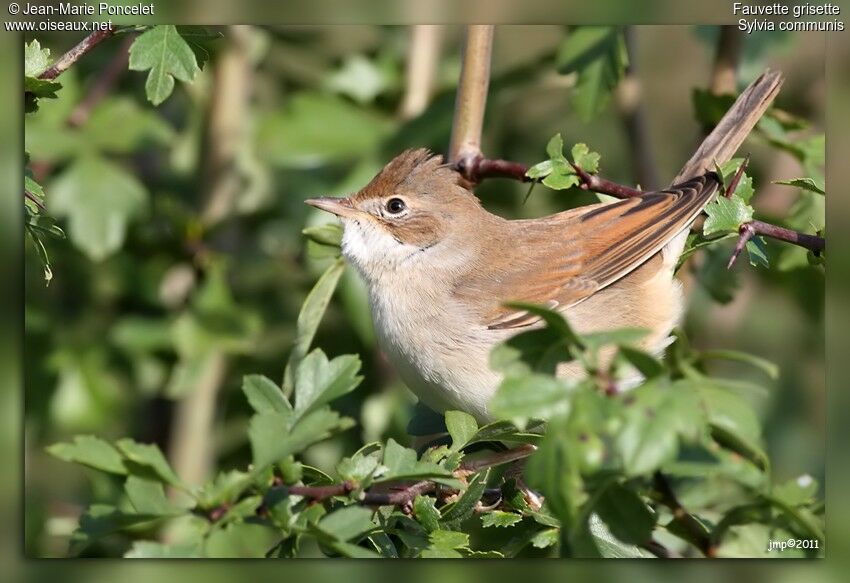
x=685, y=521
x=481, y=168
x=403, y=496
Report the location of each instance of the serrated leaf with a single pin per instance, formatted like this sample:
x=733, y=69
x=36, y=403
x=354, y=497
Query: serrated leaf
x=726, y=215
x=545, y=538
x=90, y=451
x=500, y=519
x=757, y=253
x=99, y=199
x=264, y=395
x=464, y=507
x=309, y=317
x=273, y=437
x=148, y=497
x=448, y=539
x=561, y=180
x=626, y=515
x=319, y=381
x=100, y=520
x=584, y=158
x=532, y=396
x=36, y=59
x=540, y=170
x=163, y=52
x=401, y=464
x=809, y=184
x=426, y=513
x=598, y=55
x=224, y=489
x=644, y=362
x=462, y=427
x=148, y=456
x=555, y=148
x=363, y=465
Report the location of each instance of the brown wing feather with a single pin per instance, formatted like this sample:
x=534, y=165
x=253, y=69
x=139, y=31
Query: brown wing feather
x=563, y=259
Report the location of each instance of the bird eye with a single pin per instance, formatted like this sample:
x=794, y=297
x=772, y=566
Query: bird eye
x=395, y=206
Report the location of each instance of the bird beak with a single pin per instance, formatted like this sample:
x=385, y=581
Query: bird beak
x=340, y=207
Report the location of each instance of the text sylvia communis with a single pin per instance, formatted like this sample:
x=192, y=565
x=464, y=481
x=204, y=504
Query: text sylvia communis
x=440, y=268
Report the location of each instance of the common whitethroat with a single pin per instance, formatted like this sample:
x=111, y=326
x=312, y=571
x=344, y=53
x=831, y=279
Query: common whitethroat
x=440, y=268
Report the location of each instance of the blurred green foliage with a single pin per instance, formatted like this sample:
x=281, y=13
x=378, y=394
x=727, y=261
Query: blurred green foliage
x=160, y=308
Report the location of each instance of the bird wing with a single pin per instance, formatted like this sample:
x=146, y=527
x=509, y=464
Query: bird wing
x=561, y=260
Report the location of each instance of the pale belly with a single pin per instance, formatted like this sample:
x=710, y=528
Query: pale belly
x=444, y=357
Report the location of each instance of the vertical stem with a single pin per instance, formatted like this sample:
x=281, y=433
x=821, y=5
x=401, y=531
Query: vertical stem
x=422, y=59
x=724, y=74
x=630, y=103
x=471, y=100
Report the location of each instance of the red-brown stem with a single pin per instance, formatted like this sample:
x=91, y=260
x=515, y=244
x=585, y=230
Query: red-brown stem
x=34, y=199
x=322, y=492
x=733, y=184
x=486, y=168
x=78, y=51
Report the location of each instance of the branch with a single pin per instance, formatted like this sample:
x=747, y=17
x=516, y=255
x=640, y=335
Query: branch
x=78, y=51
x=723, y=73
x=471, y=95
x=405, y=495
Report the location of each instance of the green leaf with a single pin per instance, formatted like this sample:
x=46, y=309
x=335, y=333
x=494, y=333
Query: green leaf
x=644, y=362
x=464, y=507
x=264, y=395
x=500, y=518
x=545, y=538
x=733, y=423
x=150, y=457
x=655, y=415
x=425, y=511
x=100, y=520
x=358, y=78
x=625, y=514
x=462, y=427
x=448, y=539
x=598, y=55
x=36, y=59
x=561, y=179
x=164, y=52
x=809, y=184
x=533, y=396
x=90, y=451
x=224, y=489
x=329, y=234
x=309, y=317
x=35, y=89
x=504, y=431
x=757, y=252
x=726, y=215
x=319, y=381
x=402, y=464
x=148, y=497
x=348, y=523
x=99, y=198
x=273, y=437
x=121, y=125
x=585, y=159
x=540, y=170
x=364, y=464
x=146, y=549
x=555, y=148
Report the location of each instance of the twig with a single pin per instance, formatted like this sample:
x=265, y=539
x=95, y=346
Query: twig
x=813, y=243
x=686, y=521
x=594, y=183
x=630, y=104
x=72, y=56
x=733, y=184
x=724, y=72
x=471, y=95
x=34, y=199
x=103, y=85
x=405, y=495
